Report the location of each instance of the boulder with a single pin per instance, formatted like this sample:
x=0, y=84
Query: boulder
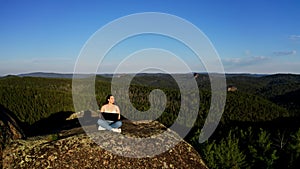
x=76, y=149
x=9, y=129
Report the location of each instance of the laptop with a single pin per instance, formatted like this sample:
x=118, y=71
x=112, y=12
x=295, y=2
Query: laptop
x=110, y=116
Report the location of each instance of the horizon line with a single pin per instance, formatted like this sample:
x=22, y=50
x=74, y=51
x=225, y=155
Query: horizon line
x=110, y=73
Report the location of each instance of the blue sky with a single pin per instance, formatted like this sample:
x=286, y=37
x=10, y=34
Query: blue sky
x=250, y=36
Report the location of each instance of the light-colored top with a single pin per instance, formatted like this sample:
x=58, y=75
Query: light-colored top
x=110, y=108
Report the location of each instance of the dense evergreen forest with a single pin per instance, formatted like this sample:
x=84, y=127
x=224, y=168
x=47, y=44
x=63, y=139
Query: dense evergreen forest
x=259, y=128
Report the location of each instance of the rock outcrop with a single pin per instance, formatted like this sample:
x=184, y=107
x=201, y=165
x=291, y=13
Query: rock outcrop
x=75, y=149
x=9, y=129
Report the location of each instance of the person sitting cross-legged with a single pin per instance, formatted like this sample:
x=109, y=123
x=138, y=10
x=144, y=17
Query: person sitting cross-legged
x=107, y=109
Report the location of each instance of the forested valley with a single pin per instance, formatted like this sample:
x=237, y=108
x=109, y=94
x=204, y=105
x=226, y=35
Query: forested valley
x=259, y=127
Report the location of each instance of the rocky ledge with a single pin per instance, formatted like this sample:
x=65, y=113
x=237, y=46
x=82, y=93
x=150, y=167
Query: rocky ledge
x=9, y=129
x=78, y=148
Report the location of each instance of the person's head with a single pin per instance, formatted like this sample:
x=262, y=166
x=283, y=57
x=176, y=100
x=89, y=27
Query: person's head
x=110, y=99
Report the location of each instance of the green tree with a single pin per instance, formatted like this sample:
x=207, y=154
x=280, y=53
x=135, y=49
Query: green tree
x=225, y=153
x=294, y=150
x=263, y=154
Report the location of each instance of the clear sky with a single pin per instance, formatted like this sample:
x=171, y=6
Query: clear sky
x=250, y=36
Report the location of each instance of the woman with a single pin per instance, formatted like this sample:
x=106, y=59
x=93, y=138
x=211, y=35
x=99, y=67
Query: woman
x=110, y=107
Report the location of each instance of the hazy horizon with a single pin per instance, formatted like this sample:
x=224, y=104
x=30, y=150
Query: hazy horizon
x=248, y=36
x=130, y=73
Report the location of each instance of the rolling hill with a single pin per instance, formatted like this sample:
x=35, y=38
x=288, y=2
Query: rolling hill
x=261, y=104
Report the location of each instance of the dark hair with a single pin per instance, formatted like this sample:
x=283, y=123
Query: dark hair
x=107, y=97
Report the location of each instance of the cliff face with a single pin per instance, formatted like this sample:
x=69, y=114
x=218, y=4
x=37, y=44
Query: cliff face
x=75, y=149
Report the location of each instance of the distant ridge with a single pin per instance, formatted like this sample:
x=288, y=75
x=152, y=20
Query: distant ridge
x=53, y=75
x=108, y=75
x=246, y=74
x=70, y=75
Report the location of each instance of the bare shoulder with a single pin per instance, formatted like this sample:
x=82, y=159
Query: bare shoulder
x=103, y=108
x=117, y=108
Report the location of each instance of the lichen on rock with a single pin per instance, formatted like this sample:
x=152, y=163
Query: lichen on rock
x=76, y=149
